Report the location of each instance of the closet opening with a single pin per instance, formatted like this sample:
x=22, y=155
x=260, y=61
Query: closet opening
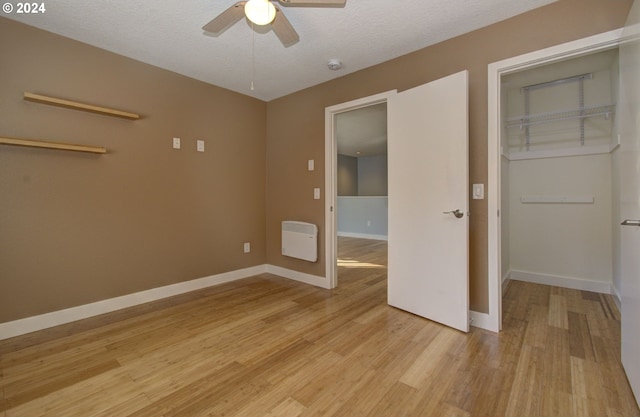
x=559, y=173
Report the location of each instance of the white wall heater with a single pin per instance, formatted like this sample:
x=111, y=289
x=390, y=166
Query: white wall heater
x=300, y=240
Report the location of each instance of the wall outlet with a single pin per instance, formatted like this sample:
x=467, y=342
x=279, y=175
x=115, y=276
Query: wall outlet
x=247, y=247
x=200, y=145
x=176, y=143
x=316, y=194
x=311, y=165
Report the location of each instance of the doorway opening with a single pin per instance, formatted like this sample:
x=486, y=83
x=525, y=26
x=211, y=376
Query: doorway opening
x=356, y=177
x=362, y=192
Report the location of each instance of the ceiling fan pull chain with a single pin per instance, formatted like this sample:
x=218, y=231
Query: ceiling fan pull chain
x=253, y=55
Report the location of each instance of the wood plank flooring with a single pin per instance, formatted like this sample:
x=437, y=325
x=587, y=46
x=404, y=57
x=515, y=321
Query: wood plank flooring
x=268, y=346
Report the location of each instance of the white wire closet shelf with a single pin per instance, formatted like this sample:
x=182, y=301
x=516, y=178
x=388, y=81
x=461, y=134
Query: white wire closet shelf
x=579, y=113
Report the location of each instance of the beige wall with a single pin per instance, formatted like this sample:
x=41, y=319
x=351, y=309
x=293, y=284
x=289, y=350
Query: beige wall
x=295, y=123
x=77, y=228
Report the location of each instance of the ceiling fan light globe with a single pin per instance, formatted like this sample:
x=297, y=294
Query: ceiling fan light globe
x=260, y=12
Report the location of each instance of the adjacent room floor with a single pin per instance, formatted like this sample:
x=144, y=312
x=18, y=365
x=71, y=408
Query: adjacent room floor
x=268, y=346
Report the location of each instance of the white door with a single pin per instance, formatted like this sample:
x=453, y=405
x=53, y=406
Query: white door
x=629, y=116
x=428, y=175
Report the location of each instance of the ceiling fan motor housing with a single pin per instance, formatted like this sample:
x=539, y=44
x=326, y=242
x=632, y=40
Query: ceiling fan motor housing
x=267, y=11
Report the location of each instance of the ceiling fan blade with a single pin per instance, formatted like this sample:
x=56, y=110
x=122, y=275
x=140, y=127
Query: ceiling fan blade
x=315, y=3
x=226, y=19
x=283, y=29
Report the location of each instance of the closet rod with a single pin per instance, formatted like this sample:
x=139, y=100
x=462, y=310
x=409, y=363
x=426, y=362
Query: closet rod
x=557, y=82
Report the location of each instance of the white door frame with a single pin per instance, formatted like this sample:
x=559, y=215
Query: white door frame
x=330, y=177
x=496, y=70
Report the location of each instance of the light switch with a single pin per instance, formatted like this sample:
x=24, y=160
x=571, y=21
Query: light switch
x=478, y=191
x=200, y=145
x=311, y=164
x=316, y=194
x=176, y=143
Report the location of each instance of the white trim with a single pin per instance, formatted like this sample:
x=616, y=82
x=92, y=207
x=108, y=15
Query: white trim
x=330, y=180
x=495, y=71
x=314, y=280
x=561, y=281
x=55, y=318
x=363, y=236
x=560, y=153
x=481, y=321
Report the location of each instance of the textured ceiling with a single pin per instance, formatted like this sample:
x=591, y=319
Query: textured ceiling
x=168, y=34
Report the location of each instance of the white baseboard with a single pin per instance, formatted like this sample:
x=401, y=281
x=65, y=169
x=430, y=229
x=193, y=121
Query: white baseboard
x=55, y=318
x=363, y=236
x=560, y=281
x=315, y=280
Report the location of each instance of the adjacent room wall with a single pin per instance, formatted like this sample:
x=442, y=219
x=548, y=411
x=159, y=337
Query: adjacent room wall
x=372, y=175
x=347, y=175
x=295, y=123
x=77, y=228
x=362, y=213
x=363, y=217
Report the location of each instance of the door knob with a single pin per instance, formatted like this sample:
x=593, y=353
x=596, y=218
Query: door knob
x=455, y=212
x=628, y=222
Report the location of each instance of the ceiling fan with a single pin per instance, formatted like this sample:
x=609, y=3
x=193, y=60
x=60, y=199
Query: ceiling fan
x=263, y=12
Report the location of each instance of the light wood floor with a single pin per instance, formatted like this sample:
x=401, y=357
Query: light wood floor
x=267, y=346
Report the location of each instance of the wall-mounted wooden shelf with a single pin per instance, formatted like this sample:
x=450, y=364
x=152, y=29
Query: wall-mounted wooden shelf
x=79, y=106
x=52, y=145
